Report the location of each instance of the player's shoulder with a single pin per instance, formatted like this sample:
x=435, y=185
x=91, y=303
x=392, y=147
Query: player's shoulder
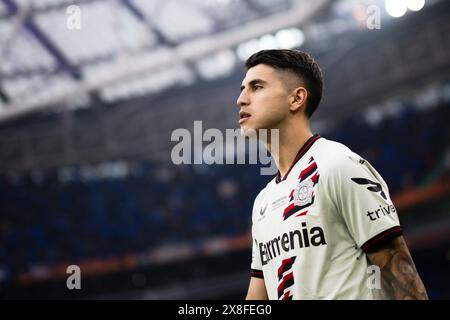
x=333, y=156
x=331, y=147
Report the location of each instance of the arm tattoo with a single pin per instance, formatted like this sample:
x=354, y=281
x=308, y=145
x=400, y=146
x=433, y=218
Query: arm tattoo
x=398, y=270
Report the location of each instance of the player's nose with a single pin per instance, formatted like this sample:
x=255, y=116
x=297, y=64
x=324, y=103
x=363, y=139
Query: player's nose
x=243, y=99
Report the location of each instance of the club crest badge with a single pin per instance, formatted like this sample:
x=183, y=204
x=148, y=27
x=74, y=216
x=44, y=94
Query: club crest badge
x=304, y=193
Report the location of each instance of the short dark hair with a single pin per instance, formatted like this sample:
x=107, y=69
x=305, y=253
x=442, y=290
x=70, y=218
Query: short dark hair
x=301, y=64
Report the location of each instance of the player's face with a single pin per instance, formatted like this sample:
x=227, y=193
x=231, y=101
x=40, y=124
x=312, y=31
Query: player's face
x=263, y=101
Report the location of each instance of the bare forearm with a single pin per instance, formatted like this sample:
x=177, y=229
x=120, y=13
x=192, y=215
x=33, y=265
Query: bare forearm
x=401, y=274
x=256, y=290
x=398, y=270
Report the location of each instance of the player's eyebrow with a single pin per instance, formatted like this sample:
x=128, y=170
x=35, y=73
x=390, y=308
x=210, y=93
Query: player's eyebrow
x=254, y=82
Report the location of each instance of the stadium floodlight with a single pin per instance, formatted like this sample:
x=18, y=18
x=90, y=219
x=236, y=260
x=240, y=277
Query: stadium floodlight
x=246, y=49
x=396, y=8
x=268, y=41
x=415, y=5
x=283, y=39
x=290, y=38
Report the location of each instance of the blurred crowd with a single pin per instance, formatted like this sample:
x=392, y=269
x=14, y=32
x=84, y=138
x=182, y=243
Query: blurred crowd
x=409, y=148
x=50, y=221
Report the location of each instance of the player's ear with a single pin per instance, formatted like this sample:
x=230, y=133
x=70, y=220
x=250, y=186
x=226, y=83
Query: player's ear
x=298, y=98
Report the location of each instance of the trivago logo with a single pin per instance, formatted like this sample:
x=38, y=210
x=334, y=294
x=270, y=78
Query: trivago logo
x=381, y=212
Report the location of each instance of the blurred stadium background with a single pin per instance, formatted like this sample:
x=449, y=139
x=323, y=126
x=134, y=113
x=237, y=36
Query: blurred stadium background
x=86, y=116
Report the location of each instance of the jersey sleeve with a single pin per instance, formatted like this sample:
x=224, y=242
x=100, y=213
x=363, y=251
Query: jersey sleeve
x=256, y=265
x=362, y=199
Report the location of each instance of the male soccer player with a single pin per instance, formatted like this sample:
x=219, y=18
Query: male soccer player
x=325, y=226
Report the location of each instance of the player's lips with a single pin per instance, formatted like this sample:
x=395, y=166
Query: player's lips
x=243, y=116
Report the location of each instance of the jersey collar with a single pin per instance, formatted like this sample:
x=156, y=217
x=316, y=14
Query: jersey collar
x=305, y=147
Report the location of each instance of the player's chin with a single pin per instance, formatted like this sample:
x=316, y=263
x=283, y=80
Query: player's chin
x=248, y=130
x=252, y=127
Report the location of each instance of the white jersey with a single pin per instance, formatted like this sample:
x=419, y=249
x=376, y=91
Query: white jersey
x=312, y=228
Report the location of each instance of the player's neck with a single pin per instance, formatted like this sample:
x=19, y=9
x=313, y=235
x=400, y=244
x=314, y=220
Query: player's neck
x=291, y=139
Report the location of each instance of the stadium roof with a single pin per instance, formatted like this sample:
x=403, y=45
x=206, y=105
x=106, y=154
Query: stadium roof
x=54, y=51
